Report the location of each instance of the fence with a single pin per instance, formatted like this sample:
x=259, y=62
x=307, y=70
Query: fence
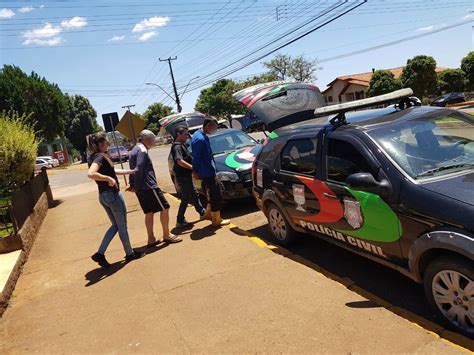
x=24, y=200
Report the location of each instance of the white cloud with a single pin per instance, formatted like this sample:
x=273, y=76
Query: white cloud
x=41, y=6
x=6, y=13
x=75, y=22
x=48, y=35
x=147, y=35
x=151, y=23
x=468, y=17
x=26, y=9
x=426, y=29
x=116, y=39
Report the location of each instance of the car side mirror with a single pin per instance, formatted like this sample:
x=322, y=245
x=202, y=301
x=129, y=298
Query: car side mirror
x=366, y=182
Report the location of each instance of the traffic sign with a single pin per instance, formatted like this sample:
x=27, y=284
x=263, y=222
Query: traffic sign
x=110, y=120
x=130, y=126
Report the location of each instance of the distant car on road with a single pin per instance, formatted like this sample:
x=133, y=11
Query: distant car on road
x=41, y=163
x=449, y=99
x=53, y=162
x=114, y=153
x=234, y=152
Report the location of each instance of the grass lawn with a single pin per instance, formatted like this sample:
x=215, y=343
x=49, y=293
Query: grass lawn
x=5, y=231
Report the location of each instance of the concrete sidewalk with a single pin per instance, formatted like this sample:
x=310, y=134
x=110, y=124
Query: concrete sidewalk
x=214, y=292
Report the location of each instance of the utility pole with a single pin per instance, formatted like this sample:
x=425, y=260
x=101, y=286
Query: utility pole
x=178, y=102
x=128, y=107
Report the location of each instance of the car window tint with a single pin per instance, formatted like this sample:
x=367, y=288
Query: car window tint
x=344, y=160
x=299, y=156
x=194, y=121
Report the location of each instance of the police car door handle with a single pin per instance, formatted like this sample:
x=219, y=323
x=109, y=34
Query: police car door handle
x=330, y=196
x=278, y=183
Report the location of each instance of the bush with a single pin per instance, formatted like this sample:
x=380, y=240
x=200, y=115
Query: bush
x=18, y=151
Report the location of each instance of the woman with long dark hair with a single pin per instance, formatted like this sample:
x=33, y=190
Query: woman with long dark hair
x=101, y=169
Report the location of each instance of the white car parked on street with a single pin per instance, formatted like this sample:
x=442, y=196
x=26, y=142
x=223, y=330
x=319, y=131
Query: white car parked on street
x=53, y=162
x=41, y=163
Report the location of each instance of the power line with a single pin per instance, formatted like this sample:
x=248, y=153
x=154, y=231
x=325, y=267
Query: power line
x=325, y=23
x=387, y=44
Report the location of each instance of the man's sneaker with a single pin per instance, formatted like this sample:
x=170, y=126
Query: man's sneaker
x=182, y=224
x=101, y=260
x=134, y=256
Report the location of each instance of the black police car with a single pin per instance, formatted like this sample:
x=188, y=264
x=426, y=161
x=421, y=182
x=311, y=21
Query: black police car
x=395, y=185
x=234, y=152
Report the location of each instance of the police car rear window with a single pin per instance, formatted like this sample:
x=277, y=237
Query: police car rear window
x=299, y=156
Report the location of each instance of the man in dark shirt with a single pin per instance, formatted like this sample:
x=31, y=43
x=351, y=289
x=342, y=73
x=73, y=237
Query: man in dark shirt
x=183, y=170
x=149, y=195
x=204, y=167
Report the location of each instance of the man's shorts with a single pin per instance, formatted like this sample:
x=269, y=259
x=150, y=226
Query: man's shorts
x=152, y=200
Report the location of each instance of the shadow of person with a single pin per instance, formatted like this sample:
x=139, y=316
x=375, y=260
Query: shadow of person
x=100, y=273
x=202, y=233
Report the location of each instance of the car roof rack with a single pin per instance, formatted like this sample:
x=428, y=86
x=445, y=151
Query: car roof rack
x=341, y=109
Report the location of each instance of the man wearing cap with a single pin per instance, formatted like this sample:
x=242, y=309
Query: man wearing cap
x=204, y=168
x=145, y=185
x=183, y=169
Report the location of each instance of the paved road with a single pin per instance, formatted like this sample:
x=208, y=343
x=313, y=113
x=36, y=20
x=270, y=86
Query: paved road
x=371, y=280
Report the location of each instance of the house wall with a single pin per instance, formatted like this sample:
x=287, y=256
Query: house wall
x=336, y=89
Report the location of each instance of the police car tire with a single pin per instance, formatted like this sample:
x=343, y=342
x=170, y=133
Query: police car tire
x=290, y=236
x=449, y=262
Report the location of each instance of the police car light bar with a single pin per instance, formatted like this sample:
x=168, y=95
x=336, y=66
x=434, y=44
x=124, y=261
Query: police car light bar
x=371, y=101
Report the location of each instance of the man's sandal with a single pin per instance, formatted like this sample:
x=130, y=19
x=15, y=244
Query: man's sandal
x=172, y=239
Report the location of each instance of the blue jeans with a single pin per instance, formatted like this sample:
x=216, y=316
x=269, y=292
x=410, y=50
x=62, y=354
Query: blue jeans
x=189, y=194
x=114, y=205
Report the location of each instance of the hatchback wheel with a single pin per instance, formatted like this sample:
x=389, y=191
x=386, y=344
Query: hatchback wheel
x=449, y=287
x=281, y=230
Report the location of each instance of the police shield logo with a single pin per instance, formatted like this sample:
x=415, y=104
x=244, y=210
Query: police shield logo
x=352, y=213
x=299, y=196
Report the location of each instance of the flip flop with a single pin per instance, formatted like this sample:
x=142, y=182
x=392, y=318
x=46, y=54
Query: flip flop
x=173, y=239
x=154, y=244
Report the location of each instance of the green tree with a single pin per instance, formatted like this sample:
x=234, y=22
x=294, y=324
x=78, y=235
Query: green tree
x=382, y=82
x=154, y=113
x=18, y=151
x=279, y=66
x=255, y=80
x=450, y=80
x=34, y=96
x=81, y=121
x=420, y=75
x=217, y=100
x=284, y=67
x=467, y=65
x=302, y=69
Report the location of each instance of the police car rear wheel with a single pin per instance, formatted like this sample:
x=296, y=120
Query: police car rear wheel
x=449, y=286
x=279, y=226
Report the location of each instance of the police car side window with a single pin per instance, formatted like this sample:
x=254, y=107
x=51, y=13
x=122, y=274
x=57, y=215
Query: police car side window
x=299, y=156
x=343, y=160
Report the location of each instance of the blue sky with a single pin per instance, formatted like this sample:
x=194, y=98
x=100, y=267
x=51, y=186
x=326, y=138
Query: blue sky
x=107, y=50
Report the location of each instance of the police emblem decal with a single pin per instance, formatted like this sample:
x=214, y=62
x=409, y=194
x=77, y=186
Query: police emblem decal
x=352, y=212
x=299, y=197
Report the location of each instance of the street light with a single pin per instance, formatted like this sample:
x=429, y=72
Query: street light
x=148, y=83
x=186, y=88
